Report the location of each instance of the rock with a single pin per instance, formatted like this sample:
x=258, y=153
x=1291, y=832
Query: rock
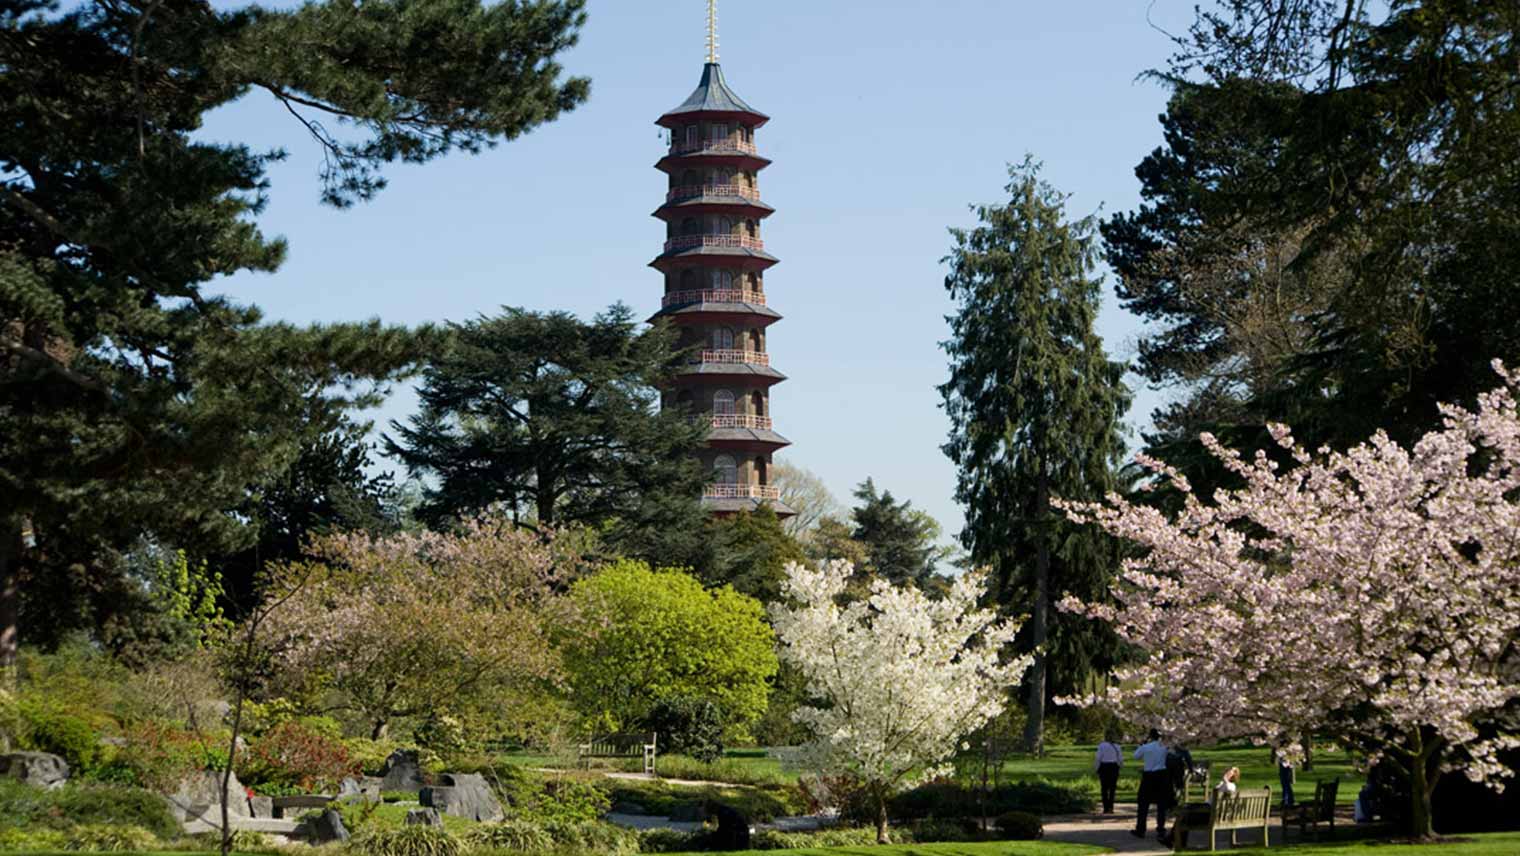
x=199, y=797
x=39, y=769
x=733, y=829
x=324, y=828
x=261, y=807
x=424, y=817
x=403, y=772
x=463, y=795
x=628, y=808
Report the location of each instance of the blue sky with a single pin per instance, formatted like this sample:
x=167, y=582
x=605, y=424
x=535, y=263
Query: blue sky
x=889, y=117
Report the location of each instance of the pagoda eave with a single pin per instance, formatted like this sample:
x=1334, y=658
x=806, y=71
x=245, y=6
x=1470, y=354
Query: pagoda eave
x=758, y=259
x=746, y=439
x=677, y=118
x=738, y=160
x=711, y=205
x=721, y=313
x=699, y=373
x=726, y=507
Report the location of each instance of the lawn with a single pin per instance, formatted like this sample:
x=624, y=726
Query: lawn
x=989, y=848
x=1068, y=763
x=1486, y=844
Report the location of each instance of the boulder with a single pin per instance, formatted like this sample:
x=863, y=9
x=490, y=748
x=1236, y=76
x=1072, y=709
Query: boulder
x=733, y=830
x=40, y=769
x=403, y=772
x=323, y=828
x=261, y=807
x=463, y=795
x=424, y=817
x=199, y=797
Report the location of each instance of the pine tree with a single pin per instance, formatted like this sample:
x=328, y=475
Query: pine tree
x=132, y=401
x=1035, y=406
x=556, y=419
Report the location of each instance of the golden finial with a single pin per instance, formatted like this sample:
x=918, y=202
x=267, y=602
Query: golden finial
x=712, y=31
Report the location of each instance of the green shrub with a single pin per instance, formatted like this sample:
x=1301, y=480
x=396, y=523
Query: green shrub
x=669, y=841
x=757, y=803
x=397, y=796
x=416, y=840
x=441, y=739
x=370, y=755
x=47, y=728
x=13, y=838
x=952, y=799
x=687, y=726
x=356, y=814
x=948, y=829
x=851, y=836
x=76, y=805
x=111, y=838
x=518, y=836
x=594, y=836
x=563, y=799
x=294, y=753
x=1020, y=826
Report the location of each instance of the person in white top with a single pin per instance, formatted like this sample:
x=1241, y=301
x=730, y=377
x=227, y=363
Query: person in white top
x=1228, y=785
x=1196, y=815
x=1155, y=785
x=1107, y=763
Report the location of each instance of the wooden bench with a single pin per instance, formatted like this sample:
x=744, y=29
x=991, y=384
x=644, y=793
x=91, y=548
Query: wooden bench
x=279, y=804
x=1319, y=810
x=1196, y=785
x=1246, y=810
x=631, y=745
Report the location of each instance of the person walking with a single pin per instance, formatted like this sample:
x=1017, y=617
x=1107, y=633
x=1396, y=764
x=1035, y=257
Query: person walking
x=1107, y=763
x=1155, y=785
x=1285, y=778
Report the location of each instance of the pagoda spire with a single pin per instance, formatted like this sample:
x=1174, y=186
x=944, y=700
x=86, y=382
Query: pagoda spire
x=712, y=31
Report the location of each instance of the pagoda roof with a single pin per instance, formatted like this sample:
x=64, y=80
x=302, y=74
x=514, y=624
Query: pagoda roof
x=696, y=372
x=707, y=309
x=736, y=505
x=747, y=437
x=712, y=95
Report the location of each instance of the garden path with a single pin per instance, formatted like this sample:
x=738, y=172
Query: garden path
x=1113, y=831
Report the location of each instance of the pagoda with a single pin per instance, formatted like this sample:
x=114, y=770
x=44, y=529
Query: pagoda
x=714, y=265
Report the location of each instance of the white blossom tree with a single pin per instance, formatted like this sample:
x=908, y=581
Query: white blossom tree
x=902, y=677
x=1371, y=595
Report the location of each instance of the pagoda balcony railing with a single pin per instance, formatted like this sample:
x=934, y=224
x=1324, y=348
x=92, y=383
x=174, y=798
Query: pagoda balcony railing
x=741, y=420
x=735, y=356
x=741, y=491
x=688, y=242
x=727, y=191
x=684, y=147
x=714, y=295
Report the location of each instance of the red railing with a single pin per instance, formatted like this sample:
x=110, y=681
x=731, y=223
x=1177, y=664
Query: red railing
x=742, y=491
x=693, y=191
x=687, y=242
x=741, y=420
x=683, y=146
x=736, y=356
x=714, y=295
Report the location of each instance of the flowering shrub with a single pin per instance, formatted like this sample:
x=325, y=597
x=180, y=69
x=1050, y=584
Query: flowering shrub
x=158, y=757
x=293, y=754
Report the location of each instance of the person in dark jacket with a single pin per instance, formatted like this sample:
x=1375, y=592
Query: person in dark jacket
x=1155, y=785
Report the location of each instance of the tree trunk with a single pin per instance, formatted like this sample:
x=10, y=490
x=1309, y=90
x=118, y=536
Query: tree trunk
x=1422, y=786
x=379, y=730
x=1034, y=726
x=11, y=546
x=881, y=817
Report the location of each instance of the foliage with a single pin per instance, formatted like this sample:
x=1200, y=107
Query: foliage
x=635, y=636
x=947, y=798
x=804, y=492
x=1020, y=825
x=901, y=542
x=189, y=594
x=665, y=840
x=426, y=623
x=594, y=836
x=554, y=419
x=859, y=658
x=518, y=836
x=759, y=803
x=46, y=728
x=1385, y=577
x=834, y=538
x=1342, y=167
x=109, y=838
x=294, y=755
x=687, y=726
x=860, y=836
x=414, y=840
x=441, y=737
x=27, y=807
x=1035, y=407
x=749, y=552
x=158, y=757
x=31, y=840
x=134, y=402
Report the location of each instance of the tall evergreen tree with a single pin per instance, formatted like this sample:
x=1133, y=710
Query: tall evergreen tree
x=901, y=542
x=558, y=420
x=1035, y=407
x=131, y=400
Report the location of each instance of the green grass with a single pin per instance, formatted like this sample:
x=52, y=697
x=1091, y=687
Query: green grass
x=737, y=766
x=989, y=848
x=1257, y=770
x=1485, y=844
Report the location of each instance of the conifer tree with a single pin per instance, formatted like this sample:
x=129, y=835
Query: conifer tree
x=133, y=400
x=1034, y=403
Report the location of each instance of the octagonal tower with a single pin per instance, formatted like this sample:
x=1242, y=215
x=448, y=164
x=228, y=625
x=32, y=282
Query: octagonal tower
x=714, y=264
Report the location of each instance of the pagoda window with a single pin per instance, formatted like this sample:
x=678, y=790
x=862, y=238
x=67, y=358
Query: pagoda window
x=723, y=279
x=725, y=176
x=755, y=343
x=762, y=476
x=754, y=281
x=719, y=132
x=749, y=227
x=689, y=280
x=723, y=339
x=757, y=403
x=693, y=135
x=726, y=470
x=690, y=226
x=723, y=403
x=690, y=177
x=725, y=226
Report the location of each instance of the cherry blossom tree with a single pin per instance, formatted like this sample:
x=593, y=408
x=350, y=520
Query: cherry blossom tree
x=902, y=677
x=1371, y=595
x=413, y=624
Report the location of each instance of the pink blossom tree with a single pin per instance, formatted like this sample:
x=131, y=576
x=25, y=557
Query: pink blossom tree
x=1371, y=595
